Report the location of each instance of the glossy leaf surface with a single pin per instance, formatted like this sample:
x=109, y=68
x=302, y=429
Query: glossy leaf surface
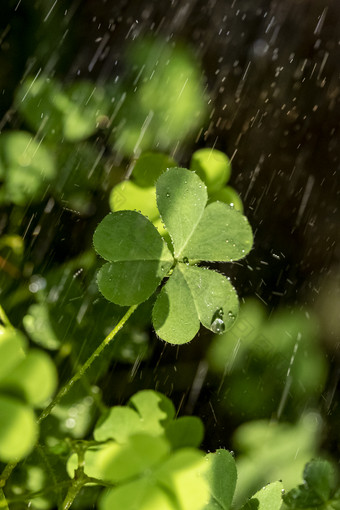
x=268, y=498
x=223, y=234
x=221, y=476
x=139, y=258
x=181, y=199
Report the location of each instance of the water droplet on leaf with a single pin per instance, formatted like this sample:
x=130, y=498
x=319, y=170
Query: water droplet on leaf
x=217, y=323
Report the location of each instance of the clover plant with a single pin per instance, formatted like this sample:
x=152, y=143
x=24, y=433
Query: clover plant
x=139, y=259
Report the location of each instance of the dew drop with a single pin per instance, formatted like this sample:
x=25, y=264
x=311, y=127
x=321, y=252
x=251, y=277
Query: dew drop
x=217, y=323
x=185, y=260
x=167, y=195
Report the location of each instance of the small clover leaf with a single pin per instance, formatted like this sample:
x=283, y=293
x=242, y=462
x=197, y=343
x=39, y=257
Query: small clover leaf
x=221, y=477
x=317, y=490
x=139, y=258
x=267, y=498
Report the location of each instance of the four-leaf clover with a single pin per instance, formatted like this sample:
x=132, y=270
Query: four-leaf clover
x=139, y=258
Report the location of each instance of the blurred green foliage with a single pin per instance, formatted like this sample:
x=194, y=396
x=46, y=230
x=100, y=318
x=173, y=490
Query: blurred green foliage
x=270, y=365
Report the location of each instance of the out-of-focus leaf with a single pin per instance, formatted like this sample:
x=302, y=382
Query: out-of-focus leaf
x=212, y=166
x=18, y=429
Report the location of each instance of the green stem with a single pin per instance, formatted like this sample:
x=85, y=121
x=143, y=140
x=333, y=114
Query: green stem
x=4, y=319
x=79, y=374
x=6, y=474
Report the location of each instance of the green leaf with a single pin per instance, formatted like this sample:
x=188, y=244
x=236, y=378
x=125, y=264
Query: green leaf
x=29, y=166
x=174, y=315
x=18, y=429
x=215, y=298
x=35, y=99
x=149, y=166
x=221, y=476
x=33, y=379
x=128, y=195
x=212, y=166
x=223, y=234
x=302, y=498
x=154, y=408
x=117, y=423
x=38, y=325
x=75, y=415
x=268, y=498
x=184, y=476
x=319, y=482
x=141, y=494
x=72, y=114
x=185, y=431
x=181, y=198
x=139, y=258
x=12, y=350
x=83, y=106
x=319, y=476
x=117, y=463
x=229, y=196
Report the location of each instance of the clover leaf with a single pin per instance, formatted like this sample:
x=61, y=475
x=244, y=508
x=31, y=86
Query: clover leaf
x=139, y=259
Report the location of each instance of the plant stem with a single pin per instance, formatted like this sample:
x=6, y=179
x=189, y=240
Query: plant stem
x=4, y=319
x=79, y=374
x=6, y=473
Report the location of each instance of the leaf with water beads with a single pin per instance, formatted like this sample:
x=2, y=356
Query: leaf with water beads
x=193, y=295
x=223, y=235
x=215, y=299
x=139, y=259
x=174, y=315
x=181, y=199
x=221, y=477
x=268, y=498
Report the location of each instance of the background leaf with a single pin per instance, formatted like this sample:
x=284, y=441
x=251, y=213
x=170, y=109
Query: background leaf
x=28, y=166
x=181, y=198
x=149, y=166
x=183, y=475
x=154, y=408
x=118, y=423
x=185, y=431
x=34, y=379
x=129, y=195
x=12, y=350
x=18, y=429
x=319, y=475
x=141, y=494
x=117, y=463
x=212, y=166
